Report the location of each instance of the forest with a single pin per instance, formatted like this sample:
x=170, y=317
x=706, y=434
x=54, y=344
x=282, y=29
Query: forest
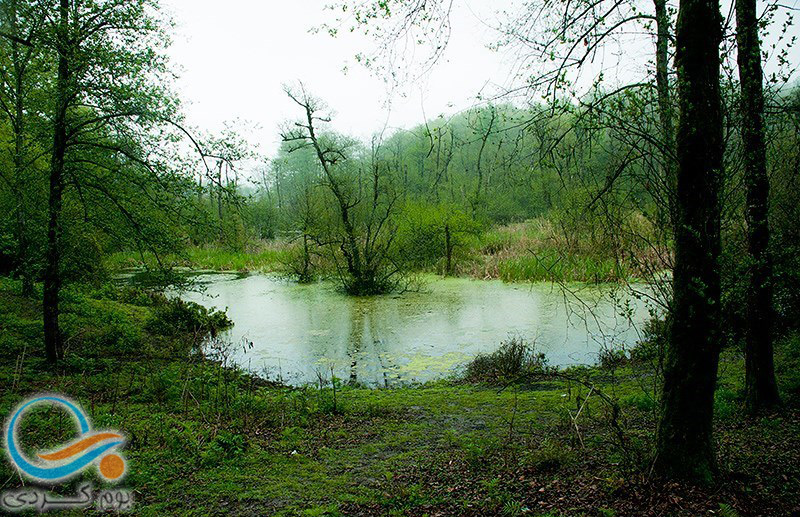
x=575, y=295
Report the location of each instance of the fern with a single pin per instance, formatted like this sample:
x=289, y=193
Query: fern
x=726, y=510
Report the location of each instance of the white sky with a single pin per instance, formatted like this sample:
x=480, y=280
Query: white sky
x=234, y=56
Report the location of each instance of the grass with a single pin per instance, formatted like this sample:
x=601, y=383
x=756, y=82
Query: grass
x=522, y=252
x=265, y=257
x=532, y=251
x=555, y=267
x=207, y=439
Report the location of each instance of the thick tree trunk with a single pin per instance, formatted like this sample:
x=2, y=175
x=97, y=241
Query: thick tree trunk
x=53, y=341
x=761, y=388
x=684, y=443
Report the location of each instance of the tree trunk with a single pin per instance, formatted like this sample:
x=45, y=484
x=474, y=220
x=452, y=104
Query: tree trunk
x=484, y=139
x=684, y=443
x=448, y=250
x=665, y=105
x=761, y=388
x=349, y=246
x=53, y=341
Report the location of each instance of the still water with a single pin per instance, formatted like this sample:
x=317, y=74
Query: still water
x=296, y=332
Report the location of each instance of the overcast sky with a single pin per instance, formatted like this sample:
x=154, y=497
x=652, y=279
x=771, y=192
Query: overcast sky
x=234, y=56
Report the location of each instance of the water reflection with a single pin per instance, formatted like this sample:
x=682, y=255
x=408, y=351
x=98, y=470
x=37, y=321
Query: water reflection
x=302, y=332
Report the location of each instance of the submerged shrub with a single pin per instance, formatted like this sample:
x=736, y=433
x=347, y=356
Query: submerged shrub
x=514, y=359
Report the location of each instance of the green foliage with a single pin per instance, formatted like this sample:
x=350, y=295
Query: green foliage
x=654, y=341
x=558, y=267
x=176, y=317
x=610, y=357
x=514, y=360
x=727, y=403
x=641, y=401
x=225, y=446
x=283, y=448
x=513, y=509
x=261, y=257
x=726, y=510
x=161, y=388
x=435, y=237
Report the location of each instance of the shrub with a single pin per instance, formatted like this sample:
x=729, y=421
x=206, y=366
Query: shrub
x=176, y=317
x=641, y=401
x=656, y=335
x=612, y=357
x=550, y=456
x=514, y=359
x=162, y=387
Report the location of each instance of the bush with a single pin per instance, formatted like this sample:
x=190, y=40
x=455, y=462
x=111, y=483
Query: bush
x=514, y=359
x=176, y=317
x=612, y=357
x=656, y=336
x=550, y=456
x=727, y=403
x=641, y=401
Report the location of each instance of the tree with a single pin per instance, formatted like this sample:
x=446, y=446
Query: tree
x=684, y=442
x=21, y=65
x=53, y=341
x=111, y=101
x=665, y=103
x=761, y=390
x=433, y=233
x=304, y=214
x=363, y=199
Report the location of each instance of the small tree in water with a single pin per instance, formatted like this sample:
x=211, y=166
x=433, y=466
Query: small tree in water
x=361, y=233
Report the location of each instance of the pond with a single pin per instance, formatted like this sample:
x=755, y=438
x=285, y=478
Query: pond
x=295, y=333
